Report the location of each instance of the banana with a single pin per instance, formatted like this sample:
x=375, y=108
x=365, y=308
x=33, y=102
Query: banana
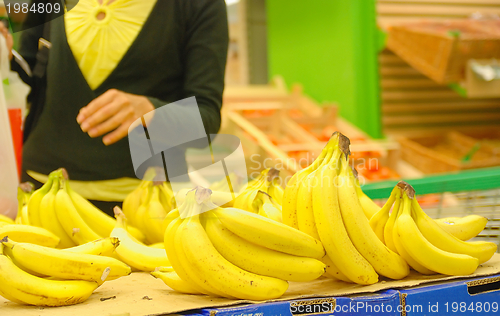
x=21, y=287
x=133, y=201
x=74, y=225
x=34, y=203
x=137, y=218
x=290, y=195
x=138, y=256
x=305, y=214
x=267, y=207
x=428, y=255
x=211, y=267
x=389, y=225
x=276, y=191
x=66, y=265
x=268, y=233
x=177, y=264
x=481, y=250
x=30, y=234
x=398, y=209
x=97, y=220
x=370, y=208
x=245, y=199
x=260, y=260
x=379, y=219
x=173, y=214
x=153, y=218
x=464, y=228
x=172, y=280
x=385, y=261
x=48, y=215
x=101, y=247
x=332, y=271
x=166, y=196
x=6, y=219
x=332, y=231
x=24, y=192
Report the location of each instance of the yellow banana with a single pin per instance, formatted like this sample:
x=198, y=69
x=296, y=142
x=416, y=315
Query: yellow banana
x=379, y=219
x=166, y=196
x=370, y=208
x=211, y=267
x=261, y=260
x=269, y=233
x=74, y=225
x=160, y=245
x=428, y=255
x=67, y=265
x=389, y=225
x=276, y=191
x=330, y=225
x=173, y=214
x=97, y=220
x=267, y=207
x=138, y=256
x=464, y=228
x=153, y=218
x=30, y=234
x=137, y=218
x=290, y=195
x=172, y=280
x=22, y=287
x=398, y=209
x=481, y=250
x=177, y=264
x=24, y=192
x=34, y=203
x=385, y=261
x=332, y=271
x=101, y=247
x=305, y=214
x=48, y=216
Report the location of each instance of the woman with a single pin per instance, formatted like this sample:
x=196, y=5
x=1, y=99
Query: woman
x=111, y=62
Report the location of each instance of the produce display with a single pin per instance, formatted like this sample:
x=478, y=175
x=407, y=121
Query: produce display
x=61, y=248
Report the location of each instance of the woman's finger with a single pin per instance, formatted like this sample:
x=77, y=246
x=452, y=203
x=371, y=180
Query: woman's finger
x=112, y=123
x=99, y=102
x=117, y=134
x=102, y=114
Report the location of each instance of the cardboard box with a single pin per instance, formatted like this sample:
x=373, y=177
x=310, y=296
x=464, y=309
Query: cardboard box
x=383, y=303
x=479, y=296
x=140, y=294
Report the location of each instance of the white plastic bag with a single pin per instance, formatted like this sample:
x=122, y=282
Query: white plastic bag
x=13, y=93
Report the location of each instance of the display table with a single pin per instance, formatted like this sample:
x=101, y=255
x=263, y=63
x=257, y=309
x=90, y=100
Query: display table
x=140, y=294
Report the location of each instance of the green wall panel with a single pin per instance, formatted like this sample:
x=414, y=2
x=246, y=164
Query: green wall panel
x=330, y=47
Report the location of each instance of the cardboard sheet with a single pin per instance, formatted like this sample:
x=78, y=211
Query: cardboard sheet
x=140, y=294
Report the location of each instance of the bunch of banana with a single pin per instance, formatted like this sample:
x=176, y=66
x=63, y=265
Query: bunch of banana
x=267, y=206
x=233, y=253
x=464, y=228
x=133, y=253
x=146, y=208
x=65, y=213
x=322, y=201
x=423, y=243
x=29, y=234
x=267, y=182
x=42, y=276
x=24, y=192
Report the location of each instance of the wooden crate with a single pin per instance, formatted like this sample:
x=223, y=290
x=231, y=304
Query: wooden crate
x=437, y=154
x=441, y=50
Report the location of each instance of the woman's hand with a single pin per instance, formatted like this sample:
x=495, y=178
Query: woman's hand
x=8, y=38
x=112, y=113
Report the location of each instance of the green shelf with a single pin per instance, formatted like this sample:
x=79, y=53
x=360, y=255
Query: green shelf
x=469, y=180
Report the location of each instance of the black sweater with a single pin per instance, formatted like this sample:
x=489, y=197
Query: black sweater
x=179, y=53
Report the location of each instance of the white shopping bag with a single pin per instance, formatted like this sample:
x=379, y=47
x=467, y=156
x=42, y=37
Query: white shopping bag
x=13, y=93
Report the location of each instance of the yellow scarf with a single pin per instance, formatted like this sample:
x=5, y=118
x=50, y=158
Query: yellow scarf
x=99, y=45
